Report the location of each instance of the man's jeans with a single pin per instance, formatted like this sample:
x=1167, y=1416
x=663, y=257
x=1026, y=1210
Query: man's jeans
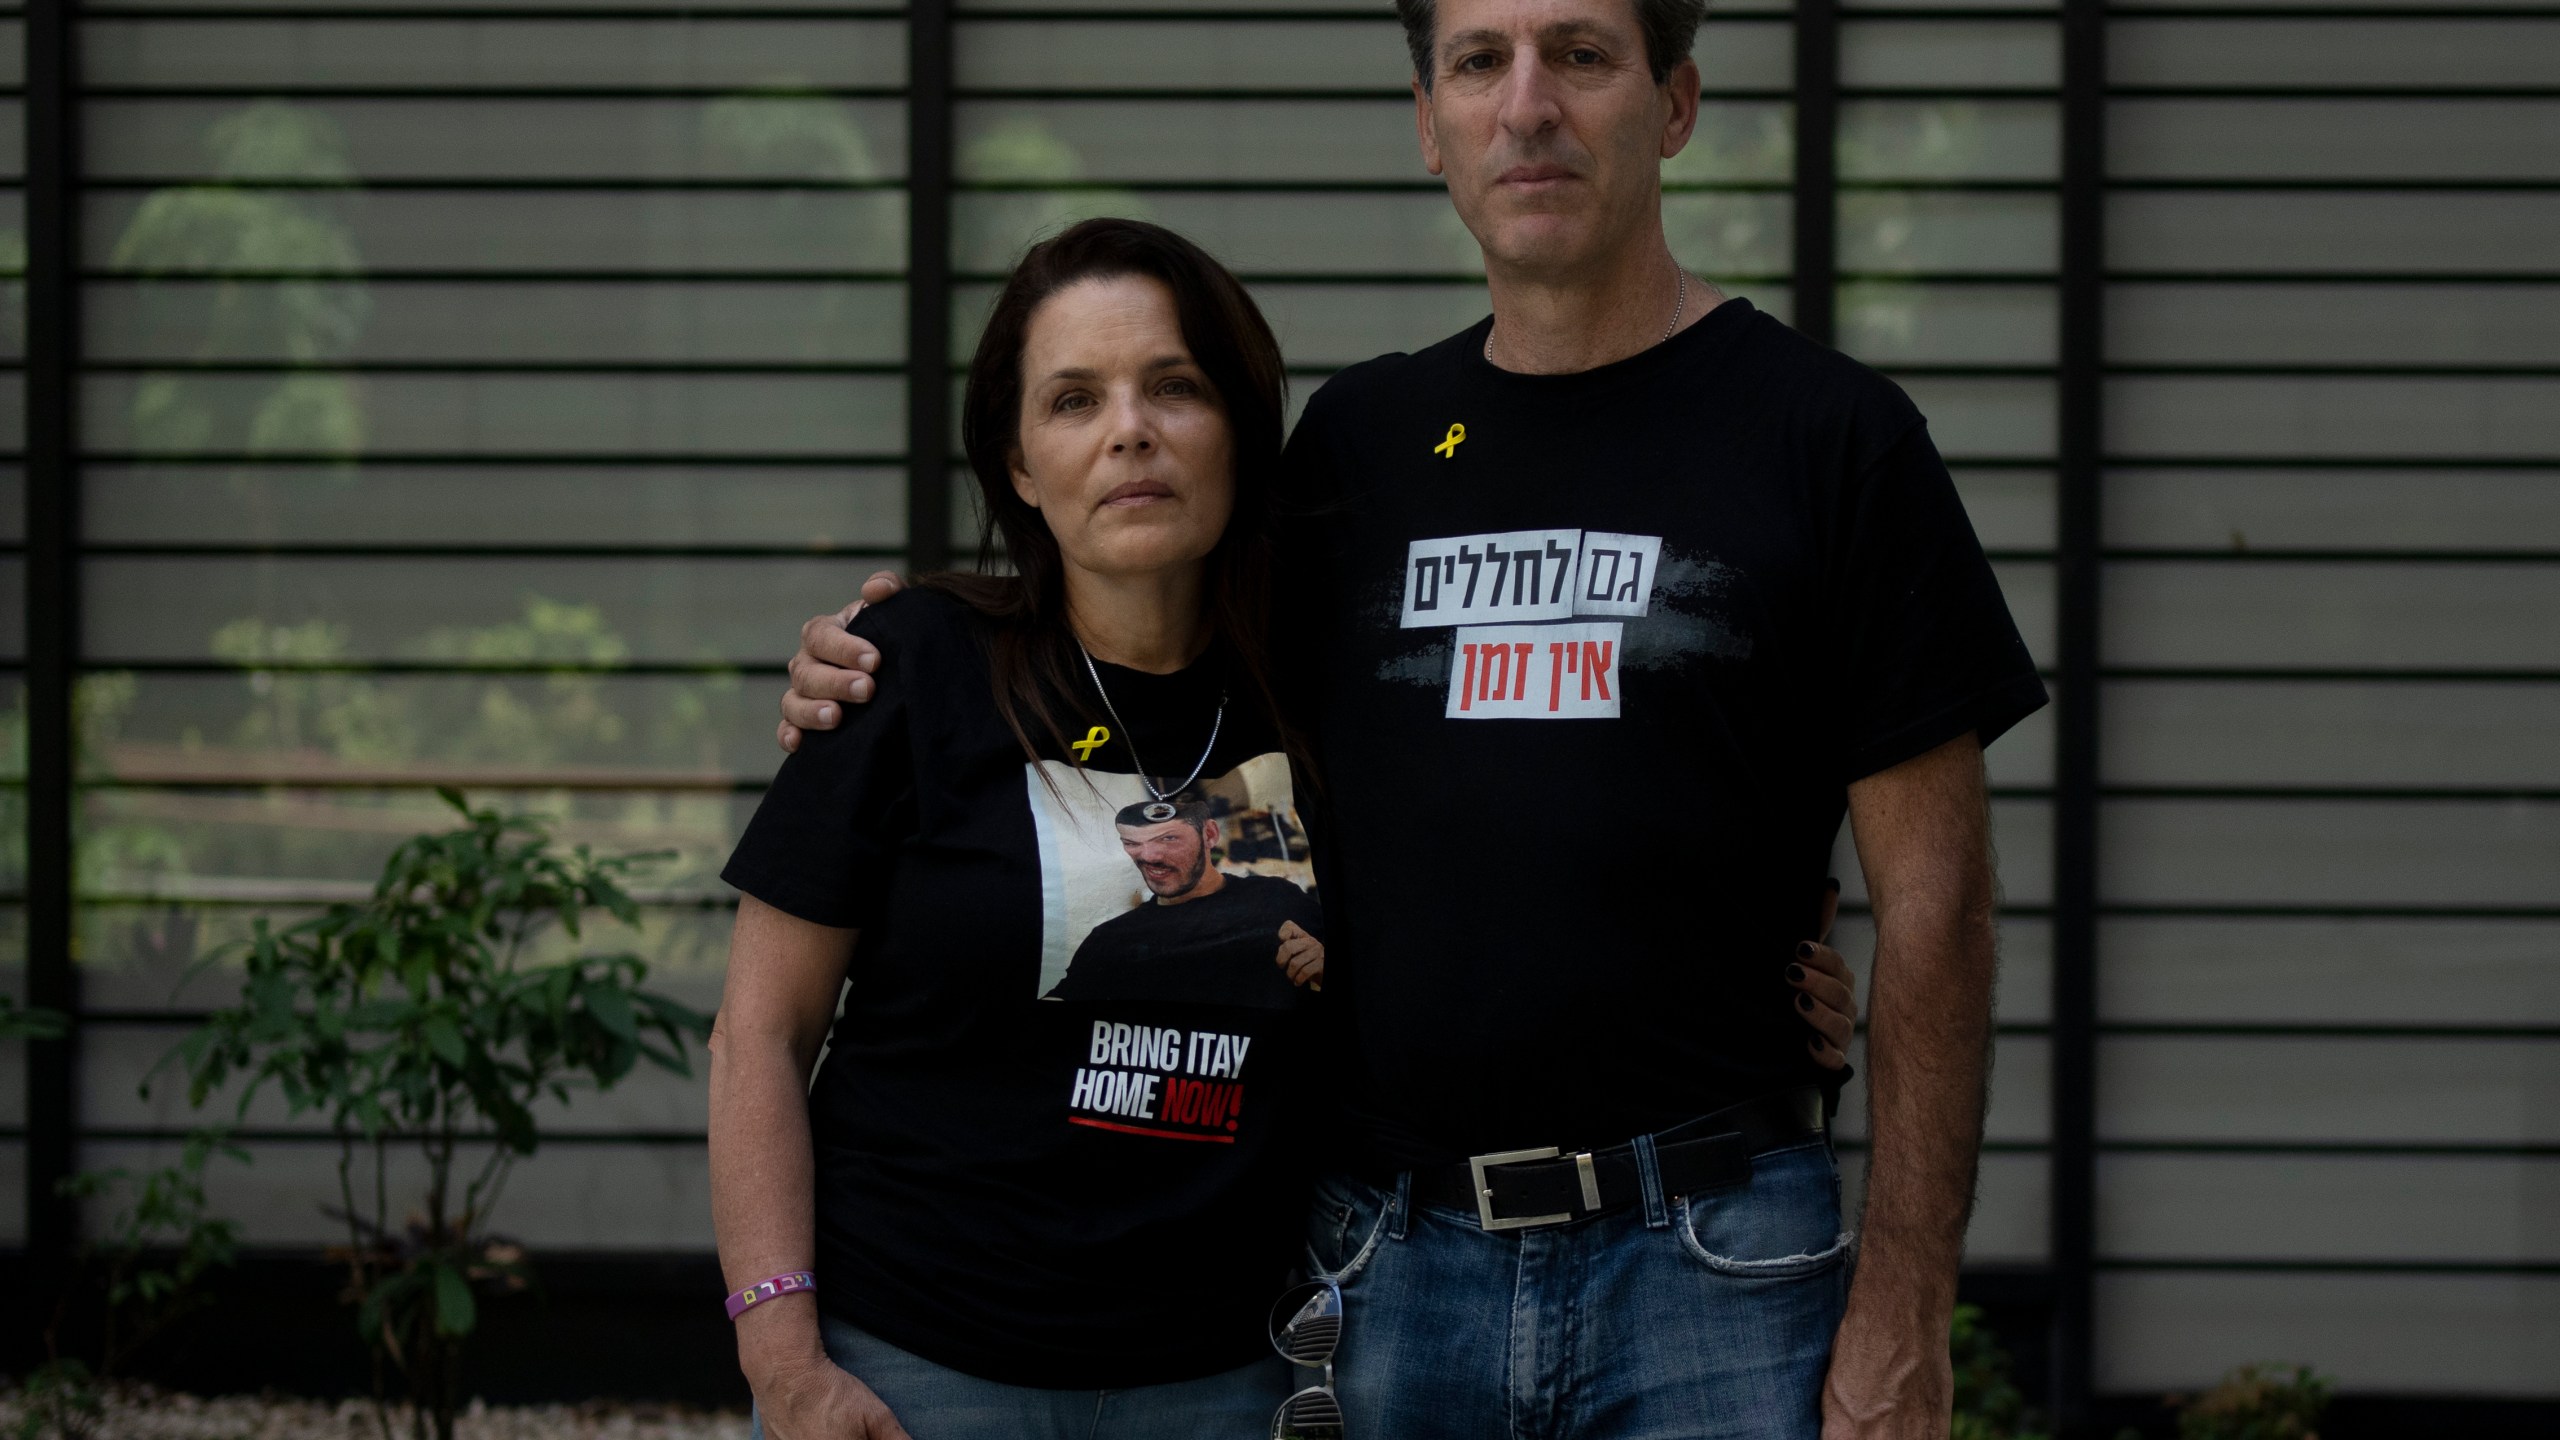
x=1708, y=1315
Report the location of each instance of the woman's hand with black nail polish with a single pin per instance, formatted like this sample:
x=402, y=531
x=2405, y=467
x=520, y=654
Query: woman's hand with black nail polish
x=1826, y=991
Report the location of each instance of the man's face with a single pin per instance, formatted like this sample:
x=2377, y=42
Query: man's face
x=1172, y=858
x=1544, y=117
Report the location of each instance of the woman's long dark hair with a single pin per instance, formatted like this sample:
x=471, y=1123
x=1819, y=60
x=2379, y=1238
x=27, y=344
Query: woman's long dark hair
x=1032, y=650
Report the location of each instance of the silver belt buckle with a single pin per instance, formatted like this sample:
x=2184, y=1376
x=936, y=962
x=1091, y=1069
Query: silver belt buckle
x=1478, y=1164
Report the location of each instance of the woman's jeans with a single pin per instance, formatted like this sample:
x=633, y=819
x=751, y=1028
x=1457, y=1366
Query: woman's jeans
x=1699, y=1317
x=936, y=1403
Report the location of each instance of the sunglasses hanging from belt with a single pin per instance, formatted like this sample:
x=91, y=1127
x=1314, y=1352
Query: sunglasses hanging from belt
x=1306, y=1326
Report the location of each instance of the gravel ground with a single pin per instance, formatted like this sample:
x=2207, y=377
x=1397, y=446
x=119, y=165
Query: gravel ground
x=140, y=1412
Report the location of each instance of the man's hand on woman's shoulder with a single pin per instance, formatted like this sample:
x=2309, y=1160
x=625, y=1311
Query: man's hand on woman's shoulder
x=833, y=667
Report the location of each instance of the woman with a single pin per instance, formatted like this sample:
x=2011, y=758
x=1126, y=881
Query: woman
x=1050, y=1175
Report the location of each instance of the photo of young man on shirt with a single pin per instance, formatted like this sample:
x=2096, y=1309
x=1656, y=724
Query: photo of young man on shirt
x=1202, y=936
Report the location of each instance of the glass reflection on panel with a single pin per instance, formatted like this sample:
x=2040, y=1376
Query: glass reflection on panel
x=13, y=730
x=1721, y=235
x=1920, y=231
x=567, y=415
x=1021, y=153
x=13, y=830
x=1312, y=231
x=1735, y=141
x=669, y=610
x=1950, y=140
x=1886, y=322
x=301, y=708
x=637, y=230
x=486, y=52
x=673, y=504
x=281, y=843
x=515, y=322
x=808, y=137
x=571, y=727
x=221, y=227
x=13, y=952
x=14, y=821
x=144, y=955
x=582, y=139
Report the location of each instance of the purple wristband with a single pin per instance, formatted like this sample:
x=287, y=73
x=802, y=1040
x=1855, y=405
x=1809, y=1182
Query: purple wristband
x=764, y=1290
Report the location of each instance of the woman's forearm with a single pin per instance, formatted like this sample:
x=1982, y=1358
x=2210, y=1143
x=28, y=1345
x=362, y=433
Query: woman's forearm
x=764, y=1191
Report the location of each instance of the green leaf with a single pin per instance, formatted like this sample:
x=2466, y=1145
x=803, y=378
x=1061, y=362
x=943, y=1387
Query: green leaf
x=678, y=1015
x=381, y=1014
x=612, y=1009
x=456, y=1312
x=665, y=1059
x=445, y=1038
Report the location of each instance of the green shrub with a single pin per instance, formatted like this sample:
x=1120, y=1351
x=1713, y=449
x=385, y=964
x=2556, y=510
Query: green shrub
x=160, y=1245
x=1988, y=1404
x=2258, y=1402
x=410, y=1020
x=60, y=1400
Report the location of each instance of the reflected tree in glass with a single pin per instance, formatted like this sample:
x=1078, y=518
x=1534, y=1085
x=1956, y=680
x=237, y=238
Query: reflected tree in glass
x=783, y=132
x=1881, y=229
x=332, y=761
x=1718, y=214
x=267, y=274
x=1039, y=185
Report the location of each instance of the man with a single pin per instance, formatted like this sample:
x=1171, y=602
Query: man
x=1636, y=593
x=1204, y=936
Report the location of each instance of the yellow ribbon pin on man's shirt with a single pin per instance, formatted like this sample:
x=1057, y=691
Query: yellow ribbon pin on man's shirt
x=1448, y=449
x=1094, y=739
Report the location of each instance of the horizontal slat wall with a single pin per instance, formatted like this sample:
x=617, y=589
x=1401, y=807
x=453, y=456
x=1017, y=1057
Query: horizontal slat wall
x=474, y=396
x=2330, y=939
x=1283, y=142
x=467, y=398
x=1949, y=156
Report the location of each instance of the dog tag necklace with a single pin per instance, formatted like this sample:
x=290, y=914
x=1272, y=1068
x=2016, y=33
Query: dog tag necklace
x=1130, y=740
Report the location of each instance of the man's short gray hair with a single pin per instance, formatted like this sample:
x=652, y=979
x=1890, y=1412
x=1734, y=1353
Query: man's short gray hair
x=1670, y=27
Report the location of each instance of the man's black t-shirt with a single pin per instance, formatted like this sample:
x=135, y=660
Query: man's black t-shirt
x=1591, y=661
x=1215, y=949
x=1096, y=1189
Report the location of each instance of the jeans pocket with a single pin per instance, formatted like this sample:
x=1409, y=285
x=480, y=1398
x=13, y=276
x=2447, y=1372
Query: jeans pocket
x=1782, y=1225
x=1343, y=1226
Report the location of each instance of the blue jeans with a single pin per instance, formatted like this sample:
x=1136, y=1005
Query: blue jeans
x=1707, y=1315
x=937, y=1403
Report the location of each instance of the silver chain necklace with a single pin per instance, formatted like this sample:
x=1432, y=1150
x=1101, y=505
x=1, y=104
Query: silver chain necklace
x=1679, y=303
x=1130, y=740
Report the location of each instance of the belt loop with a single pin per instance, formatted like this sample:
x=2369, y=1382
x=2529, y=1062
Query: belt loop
x=1657, y=1214
x=1400, y=1205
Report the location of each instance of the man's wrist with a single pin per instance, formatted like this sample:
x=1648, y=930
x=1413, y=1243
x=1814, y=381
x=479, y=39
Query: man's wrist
x=1896, y=1285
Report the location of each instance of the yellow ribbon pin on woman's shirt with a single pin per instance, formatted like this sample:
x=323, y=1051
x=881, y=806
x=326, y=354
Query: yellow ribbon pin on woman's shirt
x=1094, y=739
x=1448, y=449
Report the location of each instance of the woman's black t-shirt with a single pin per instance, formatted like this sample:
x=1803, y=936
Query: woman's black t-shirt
x=1056, y=1125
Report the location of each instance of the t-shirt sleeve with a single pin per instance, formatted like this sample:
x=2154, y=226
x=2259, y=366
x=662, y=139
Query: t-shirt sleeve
x=823, y=838
x=1924, y=638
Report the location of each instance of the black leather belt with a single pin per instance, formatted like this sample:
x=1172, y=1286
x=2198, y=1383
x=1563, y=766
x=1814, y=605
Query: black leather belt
x=1518, y=1189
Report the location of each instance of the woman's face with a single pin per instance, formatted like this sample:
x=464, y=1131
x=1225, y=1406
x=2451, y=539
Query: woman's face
x=1124, y=450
